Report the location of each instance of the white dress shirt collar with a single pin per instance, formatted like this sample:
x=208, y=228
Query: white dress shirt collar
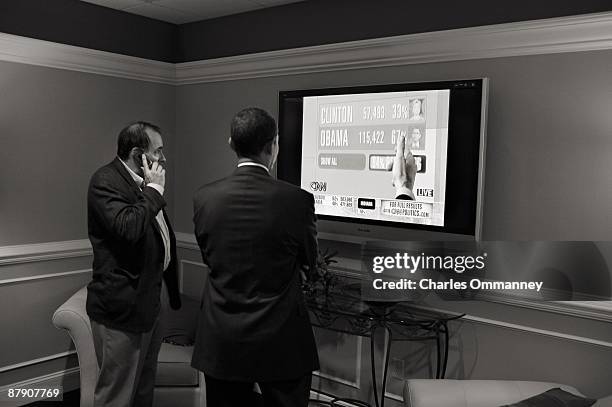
x=135, y=176
x=253, y=164
x=159, y=217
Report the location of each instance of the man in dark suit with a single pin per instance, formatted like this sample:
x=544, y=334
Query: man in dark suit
x=255, y=234
x=134, y=267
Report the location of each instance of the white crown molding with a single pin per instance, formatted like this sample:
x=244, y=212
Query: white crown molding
x=568, y=34
x=32, y=51
x=588, y=32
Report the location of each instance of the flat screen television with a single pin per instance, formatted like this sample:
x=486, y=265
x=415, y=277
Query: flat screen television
x=339, y=144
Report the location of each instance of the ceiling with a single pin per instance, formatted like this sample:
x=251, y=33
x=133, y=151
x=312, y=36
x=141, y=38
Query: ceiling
x=186, y=11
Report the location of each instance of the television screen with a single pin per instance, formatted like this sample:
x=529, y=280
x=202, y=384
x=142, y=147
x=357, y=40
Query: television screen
x=348, y=149
x=341, y=144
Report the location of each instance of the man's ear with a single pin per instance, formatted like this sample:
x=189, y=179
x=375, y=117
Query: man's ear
x=136, y=154
x=274, y=145
x=269, y=147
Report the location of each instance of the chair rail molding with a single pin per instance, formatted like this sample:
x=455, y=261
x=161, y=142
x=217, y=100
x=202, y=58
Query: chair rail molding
x=589, y=32
x=348, y=267
x=536, y=331
x=186, y=241
x=44, y=251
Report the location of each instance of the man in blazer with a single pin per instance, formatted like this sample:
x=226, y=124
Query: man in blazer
x=134, y=267
x=255, y=234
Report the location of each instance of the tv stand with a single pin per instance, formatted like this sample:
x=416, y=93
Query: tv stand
x=341, y=309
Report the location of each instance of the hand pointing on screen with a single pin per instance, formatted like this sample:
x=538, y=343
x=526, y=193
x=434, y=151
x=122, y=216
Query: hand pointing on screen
x=404, y=170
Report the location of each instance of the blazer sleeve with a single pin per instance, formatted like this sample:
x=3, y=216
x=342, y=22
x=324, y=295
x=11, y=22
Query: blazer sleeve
x=310, y=249
x=125, y=220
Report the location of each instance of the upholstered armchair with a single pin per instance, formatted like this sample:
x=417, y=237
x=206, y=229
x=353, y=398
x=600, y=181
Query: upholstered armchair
x=177, y=383
x=478, y=393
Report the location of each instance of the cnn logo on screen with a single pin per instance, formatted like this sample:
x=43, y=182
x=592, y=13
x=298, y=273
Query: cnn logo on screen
x=318, y=186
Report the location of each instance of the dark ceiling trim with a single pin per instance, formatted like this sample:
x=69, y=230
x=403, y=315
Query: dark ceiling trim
x=87, y=25
x=318, y=22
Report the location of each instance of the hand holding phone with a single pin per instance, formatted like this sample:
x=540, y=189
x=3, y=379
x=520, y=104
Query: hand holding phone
x=140, y=151
x=153, y=172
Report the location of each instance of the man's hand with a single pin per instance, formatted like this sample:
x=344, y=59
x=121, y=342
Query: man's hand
x=155, y=175
x=404, y=168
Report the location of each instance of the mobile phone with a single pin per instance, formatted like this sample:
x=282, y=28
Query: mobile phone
x=140, y=152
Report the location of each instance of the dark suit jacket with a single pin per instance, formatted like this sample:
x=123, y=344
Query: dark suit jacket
x=128, y=251
x=254, y=233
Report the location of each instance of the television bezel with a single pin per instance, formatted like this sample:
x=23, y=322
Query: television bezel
x=429, y=231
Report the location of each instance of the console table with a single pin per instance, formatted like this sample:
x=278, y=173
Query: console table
x=340, y=308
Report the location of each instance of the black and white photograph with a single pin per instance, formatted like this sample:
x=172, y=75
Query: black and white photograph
x=305, y=203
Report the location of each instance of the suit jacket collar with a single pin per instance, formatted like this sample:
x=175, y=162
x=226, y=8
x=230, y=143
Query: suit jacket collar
x=126, y=175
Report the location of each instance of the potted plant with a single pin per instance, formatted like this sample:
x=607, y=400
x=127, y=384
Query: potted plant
x=321, y=278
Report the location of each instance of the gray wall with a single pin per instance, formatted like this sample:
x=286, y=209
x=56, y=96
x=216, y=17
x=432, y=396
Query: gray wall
x=26, y=308
x=548, y=147
x=547, y=178
x=56, y=128
x=495, y=341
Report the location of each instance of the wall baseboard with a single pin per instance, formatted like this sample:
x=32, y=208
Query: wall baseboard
x=315, y=395
x=37, y=361
x=68, y=380
x=588, y=32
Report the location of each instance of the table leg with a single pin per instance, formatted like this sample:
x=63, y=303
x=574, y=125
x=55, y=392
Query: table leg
x=446, y=346
x=380, y=402
x=438, y=352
